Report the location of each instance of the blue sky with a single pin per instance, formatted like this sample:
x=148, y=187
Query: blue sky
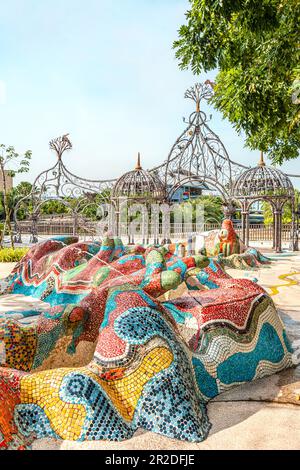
x=105, y=72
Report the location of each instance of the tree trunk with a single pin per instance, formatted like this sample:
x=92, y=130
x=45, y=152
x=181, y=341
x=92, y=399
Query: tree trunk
x=7, y=211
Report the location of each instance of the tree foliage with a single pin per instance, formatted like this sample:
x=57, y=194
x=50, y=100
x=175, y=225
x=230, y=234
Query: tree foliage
x=255, y=44
x=286, y=213
x=11, y=163
x=13, y=197
x=212, y=208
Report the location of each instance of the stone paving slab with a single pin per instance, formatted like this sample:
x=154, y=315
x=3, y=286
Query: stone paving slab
x=235, y=425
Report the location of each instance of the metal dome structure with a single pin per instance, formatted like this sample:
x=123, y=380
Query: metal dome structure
x=134, y=192
x=264, y=183
x=198, y=154
x=77, y=194
x=139, y=185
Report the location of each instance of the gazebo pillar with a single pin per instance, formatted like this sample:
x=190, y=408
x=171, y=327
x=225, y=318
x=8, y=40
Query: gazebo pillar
x=145, y=224
x=273, y=232
x=247, y=230
x=294, y=234
x=275, y=216
x=117, y=228
x=278, y=218
x=245, y=216
x=279, y=231
x=154, y=223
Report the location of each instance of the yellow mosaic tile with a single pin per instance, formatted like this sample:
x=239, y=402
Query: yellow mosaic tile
x=67, y=419
x=125, y=392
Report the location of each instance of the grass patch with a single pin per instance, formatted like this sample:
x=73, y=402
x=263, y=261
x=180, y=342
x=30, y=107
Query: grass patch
x=8, y=255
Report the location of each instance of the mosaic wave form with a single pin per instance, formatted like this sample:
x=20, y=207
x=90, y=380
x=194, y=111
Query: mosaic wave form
x=108, y=354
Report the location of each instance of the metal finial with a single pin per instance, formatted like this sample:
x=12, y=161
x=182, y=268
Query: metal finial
x=199, y=92
x=138, y=163
x=60, y=145
x=261, y=160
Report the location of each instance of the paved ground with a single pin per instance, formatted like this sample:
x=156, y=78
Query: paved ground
x=261, y=415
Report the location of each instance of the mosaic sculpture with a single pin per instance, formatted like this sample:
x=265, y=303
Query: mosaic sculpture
x=109, y=354
x=230, y=250
x=251, y=258
x=224, y=241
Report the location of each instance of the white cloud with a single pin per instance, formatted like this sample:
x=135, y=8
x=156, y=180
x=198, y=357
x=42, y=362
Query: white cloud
x=2, y=92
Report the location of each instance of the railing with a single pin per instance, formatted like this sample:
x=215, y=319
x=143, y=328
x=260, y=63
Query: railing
x=59, y=227
x=257, y=232
x=261, y=232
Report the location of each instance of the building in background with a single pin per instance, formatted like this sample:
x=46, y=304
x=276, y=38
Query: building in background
x=8, y=179
x=190, y=190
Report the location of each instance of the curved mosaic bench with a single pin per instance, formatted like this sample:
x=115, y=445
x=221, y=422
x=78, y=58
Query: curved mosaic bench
x=109, y=355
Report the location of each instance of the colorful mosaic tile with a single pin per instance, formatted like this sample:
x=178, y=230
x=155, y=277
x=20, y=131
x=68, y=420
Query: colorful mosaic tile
x=153, y=363
x=230, y=250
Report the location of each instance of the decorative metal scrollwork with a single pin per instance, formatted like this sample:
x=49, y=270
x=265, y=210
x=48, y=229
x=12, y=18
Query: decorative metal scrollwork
x=199, y=154
x=77, y=194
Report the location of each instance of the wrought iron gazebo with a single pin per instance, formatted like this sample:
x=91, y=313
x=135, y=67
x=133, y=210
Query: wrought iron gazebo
x=139, y=185
x=199, y=155
x=265, y=183
x=57, y=183
x=136, y=190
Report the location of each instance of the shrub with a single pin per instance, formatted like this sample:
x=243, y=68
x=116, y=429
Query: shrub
x=10, y=255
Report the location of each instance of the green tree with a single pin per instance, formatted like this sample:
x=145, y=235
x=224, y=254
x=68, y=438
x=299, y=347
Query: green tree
x=13, y=197
x=54, y=207
x=22, y=191
x=11, y=163
x=213, y=208
x=254, y=44
x=286, y=214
